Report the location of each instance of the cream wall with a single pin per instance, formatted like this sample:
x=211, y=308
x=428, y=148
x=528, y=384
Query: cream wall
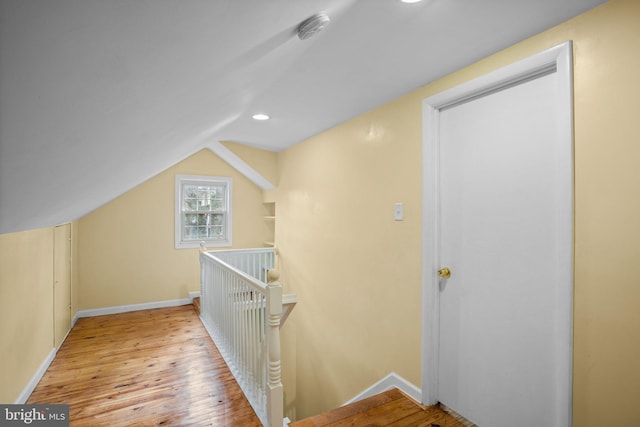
x=126, y=252
x=357, y=272
x=26, y=307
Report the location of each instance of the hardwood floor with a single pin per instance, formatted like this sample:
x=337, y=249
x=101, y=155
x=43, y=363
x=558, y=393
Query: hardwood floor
x=160, y=368
x=391, y=408
x=145, y=368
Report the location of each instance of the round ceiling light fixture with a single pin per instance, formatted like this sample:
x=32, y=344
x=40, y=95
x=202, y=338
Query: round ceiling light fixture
x=410, y=1
x=261, y=116
x=313, y=25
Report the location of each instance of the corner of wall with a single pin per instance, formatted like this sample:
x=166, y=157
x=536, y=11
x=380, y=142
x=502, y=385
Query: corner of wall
x=392, y=380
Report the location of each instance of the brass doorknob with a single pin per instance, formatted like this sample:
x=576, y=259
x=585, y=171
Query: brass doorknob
x=445, y=273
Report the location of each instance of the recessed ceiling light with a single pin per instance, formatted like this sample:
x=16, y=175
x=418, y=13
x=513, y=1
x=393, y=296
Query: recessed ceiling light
x=261, y=116
x=410, y=1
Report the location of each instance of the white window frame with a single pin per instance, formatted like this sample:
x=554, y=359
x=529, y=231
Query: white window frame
x=181, y=180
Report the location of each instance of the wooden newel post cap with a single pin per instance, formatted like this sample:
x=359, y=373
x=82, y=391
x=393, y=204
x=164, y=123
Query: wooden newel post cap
x=273, y=275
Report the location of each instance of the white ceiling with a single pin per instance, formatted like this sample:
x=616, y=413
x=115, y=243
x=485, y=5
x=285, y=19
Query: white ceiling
x=99, y=95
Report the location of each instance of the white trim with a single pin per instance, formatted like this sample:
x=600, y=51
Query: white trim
x=35, y=379
x=194, y=294
x=557, y=59
x=75, y=319
x=131, y=307
x=390, y=381
x=240, y=165
x=542, y=63
x=64, y=339
x=430, y=239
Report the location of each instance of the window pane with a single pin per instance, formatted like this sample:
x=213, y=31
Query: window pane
x=189, y=219
x=216, y=231
x=189, y=205
x=217, y=197
x=216, y=219
x=202, y=202
x=190, y=233
x=203, y=233
x=217, y=204
x=203, y=199
x=189, y=198
x=190, y=191
x=202, y=219
x=202, y=226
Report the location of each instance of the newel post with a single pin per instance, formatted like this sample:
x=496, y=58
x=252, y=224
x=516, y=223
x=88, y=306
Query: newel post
x=275, y=398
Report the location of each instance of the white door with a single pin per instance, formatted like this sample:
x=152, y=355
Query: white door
x=503, y=198
x=62, y=283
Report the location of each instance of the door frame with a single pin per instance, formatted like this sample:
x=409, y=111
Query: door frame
x=558, y=60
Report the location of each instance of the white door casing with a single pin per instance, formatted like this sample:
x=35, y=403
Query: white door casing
x=552, y=70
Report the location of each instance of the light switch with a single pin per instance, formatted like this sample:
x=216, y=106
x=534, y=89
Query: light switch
x=398, y=212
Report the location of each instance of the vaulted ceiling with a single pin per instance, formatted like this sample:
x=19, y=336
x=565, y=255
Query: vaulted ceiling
x=99, y=95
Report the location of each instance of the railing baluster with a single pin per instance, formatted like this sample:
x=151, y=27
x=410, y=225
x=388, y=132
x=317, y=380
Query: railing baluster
x=242, y=314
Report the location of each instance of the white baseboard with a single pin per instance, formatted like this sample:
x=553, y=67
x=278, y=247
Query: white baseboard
x=194, y=294
x=35, y=379
x=131, y=307
x=390, y=381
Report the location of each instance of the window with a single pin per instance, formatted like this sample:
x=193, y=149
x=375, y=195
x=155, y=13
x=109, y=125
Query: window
x=203, y=211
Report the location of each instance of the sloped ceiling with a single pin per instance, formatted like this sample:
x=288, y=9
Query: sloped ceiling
x=99, y=95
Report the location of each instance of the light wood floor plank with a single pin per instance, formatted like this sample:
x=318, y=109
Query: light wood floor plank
x=145, y=368
x=390, y=408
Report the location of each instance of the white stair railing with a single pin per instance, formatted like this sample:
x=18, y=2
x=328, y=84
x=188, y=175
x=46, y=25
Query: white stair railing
x=242, y=313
